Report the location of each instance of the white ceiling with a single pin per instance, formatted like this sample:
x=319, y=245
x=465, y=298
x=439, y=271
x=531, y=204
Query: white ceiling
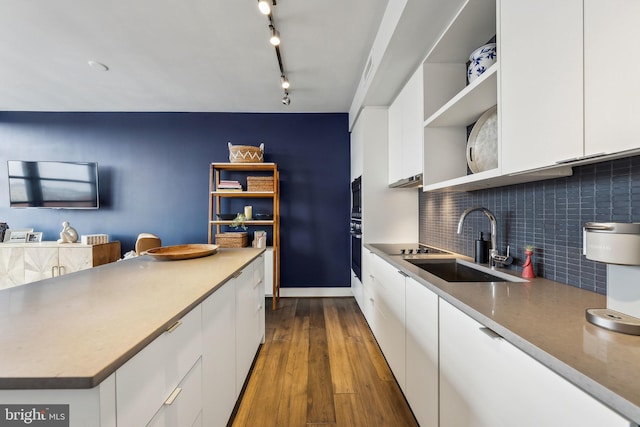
x=182, y=55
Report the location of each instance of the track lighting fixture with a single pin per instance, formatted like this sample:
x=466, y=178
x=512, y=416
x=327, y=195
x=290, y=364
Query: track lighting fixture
x=285, y=99
x=275, y=36
x=264, y=6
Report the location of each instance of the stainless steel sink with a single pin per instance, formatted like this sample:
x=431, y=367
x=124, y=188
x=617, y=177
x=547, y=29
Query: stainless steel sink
x=454, y=270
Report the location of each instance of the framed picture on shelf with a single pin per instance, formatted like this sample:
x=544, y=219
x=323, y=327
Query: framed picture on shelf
x=34, y=237
x=17, y=235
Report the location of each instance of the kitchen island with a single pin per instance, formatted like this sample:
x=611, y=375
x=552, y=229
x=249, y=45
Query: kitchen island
x=70, y=339
x=541, y=318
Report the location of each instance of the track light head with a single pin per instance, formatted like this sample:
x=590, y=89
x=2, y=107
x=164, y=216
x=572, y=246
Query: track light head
x=275, y=36
x=264, y=6
x=284, y=82
x=285, y=99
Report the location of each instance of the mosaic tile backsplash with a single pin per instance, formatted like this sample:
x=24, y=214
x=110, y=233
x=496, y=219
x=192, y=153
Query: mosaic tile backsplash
x=548, y=215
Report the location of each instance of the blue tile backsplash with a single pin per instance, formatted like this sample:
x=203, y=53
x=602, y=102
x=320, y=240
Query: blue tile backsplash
x=548, y=215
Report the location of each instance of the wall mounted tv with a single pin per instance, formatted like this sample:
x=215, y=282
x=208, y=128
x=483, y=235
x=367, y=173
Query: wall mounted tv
x=57, y=185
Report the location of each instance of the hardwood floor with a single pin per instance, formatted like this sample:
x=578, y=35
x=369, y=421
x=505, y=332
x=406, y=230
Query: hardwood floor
x=321, y=366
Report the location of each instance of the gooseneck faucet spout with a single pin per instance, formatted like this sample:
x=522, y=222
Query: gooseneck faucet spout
x=494, y=227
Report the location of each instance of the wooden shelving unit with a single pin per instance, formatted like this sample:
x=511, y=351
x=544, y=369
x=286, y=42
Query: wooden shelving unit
x=221, y=171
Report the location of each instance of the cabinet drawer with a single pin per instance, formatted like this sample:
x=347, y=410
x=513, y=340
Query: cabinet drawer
x=184, y=405
x=258, y=270
x=145, y=381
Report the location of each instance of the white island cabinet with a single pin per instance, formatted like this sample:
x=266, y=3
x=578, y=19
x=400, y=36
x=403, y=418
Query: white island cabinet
x=487, y=382
x=154, y=343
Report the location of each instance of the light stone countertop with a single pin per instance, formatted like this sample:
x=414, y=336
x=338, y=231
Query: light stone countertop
x=73, y=331
x=546, y=320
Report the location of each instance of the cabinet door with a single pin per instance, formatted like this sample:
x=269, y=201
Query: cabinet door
x=11, y=267
x=611, y=65
x=412, y=126
x=184, y=405
x=421, y=387
x=74, y=259
x=389, y=292
x=247, y=324
x=486, y=381
x=151, y=376
x=541, y=83
x=395, y=138
x=219, y=355
x=368, y=296
x=40, y=263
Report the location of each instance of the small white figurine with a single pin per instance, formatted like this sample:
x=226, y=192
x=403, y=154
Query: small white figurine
x=68, y=234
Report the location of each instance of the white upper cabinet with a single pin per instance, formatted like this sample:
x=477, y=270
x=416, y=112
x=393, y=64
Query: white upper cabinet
x=541, y=83
x=405, y=130
x=611, y=75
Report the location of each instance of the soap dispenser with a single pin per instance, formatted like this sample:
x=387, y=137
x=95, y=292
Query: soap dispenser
x=482, y=250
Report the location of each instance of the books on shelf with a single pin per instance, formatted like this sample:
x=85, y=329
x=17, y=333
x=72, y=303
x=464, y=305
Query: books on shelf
x=229, y=185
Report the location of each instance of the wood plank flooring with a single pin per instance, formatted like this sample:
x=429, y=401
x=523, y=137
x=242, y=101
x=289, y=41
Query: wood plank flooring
x=320, y=367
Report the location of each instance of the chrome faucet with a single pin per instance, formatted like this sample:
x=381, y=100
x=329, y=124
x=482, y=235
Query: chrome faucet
x=493, y=252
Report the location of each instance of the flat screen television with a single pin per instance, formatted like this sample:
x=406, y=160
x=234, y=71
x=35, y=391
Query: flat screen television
x=57, y=185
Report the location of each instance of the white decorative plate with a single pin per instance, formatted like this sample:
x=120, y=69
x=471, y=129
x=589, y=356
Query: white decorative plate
x=482, y=147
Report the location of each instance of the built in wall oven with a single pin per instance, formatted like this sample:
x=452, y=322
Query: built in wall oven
x=355, y=230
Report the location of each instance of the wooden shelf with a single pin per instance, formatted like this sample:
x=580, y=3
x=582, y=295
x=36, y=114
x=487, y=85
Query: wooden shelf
x=216, y=197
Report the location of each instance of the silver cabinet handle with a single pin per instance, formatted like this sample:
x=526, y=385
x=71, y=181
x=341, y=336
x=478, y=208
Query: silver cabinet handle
x=172, y=397
x=61, y=270
x=402, y=273
x=174, y=326
x=54, y=270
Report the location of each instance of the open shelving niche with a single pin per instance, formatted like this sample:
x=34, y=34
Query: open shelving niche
x=450, y=104
x=215, y=205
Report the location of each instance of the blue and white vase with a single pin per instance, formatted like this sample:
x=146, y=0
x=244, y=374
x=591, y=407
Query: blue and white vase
x=481, y=59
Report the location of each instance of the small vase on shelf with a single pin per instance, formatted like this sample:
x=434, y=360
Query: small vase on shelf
x=527, y=268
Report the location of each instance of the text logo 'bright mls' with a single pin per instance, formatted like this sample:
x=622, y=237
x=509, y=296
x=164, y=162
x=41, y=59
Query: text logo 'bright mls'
x=34, y=415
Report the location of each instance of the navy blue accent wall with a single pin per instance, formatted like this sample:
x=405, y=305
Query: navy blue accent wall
x=154, y=172
x=546, y=214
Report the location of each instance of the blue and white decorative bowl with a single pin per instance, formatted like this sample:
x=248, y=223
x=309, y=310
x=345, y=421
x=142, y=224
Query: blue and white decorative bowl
x=481, y=59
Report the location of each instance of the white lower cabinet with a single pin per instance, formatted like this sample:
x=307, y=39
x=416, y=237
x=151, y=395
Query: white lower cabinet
x=421, y=389
x=389, y=293
x=486, y=381
x=152, y=376
x=219, y=356
x=184, y=406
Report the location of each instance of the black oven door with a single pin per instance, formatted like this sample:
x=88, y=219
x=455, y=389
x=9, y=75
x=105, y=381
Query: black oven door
x=356, y=198
x=356, y=254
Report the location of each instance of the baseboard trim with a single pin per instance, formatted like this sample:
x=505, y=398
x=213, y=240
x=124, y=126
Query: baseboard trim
x=315, y=292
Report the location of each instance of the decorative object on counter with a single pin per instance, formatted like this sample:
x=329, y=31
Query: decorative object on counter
x=232, y=239
x=238, y=221
x=259, y=239
x=527, y=268
x=34, y=237
x=259, y=183
x=95, y=239
x=16, y=235
x=68, y=234
x=481, y=255
x=179, y=252
x=3, y=227
x=482, y=147
x=246, y=153
x=480, y=60
x=248, y=212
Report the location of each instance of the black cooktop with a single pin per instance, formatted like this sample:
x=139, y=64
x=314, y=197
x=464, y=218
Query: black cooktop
x=408, y=249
